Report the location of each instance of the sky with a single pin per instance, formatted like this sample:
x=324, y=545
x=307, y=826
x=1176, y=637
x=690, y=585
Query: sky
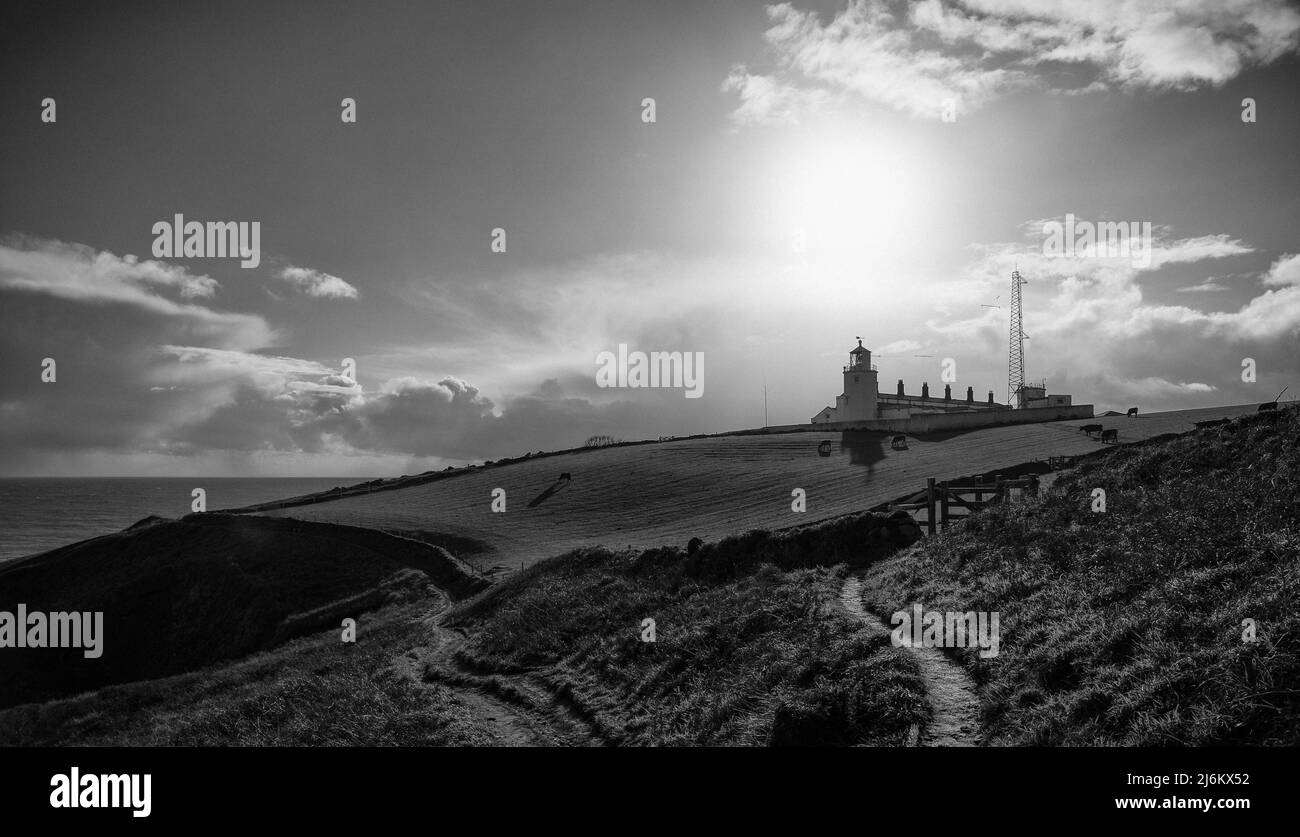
x=813, y=173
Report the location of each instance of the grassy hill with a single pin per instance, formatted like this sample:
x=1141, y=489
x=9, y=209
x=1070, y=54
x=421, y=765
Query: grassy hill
x=751, y=649
x=751, y=645
x=1116, y=628
x=181, y=594
x=647, y=495
x=1125, y=627
x=310, y=691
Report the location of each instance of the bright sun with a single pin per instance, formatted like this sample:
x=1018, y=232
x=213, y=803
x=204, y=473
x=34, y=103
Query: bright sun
x=853, y=197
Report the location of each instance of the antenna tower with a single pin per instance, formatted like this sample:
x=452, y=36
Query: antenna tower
x=1016, y=360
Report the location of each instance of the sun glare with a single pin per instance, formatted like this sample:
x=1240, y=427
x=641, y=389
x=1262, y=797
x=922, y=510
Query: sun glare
x=851, y=197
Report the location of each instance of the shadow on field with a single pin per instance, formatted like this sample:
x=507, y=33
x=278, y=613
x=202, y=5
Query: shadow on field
x=865, y=447
x=551, y=490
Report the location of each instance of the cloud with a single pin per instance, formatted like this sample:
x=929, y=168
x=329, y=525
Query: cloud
x=1187, y=250
x=452, y=419
x=191, y=401
x=1284, y=272
x=79, y=273
x=75, y=271
x=288, y=404
x=1090, y=317
x=1208, y=286
x=103, y=319
x=899, y=347
x=165, y=379
x=765, y=100
x=913, y=58
x=316, y=284
x=1154, y=386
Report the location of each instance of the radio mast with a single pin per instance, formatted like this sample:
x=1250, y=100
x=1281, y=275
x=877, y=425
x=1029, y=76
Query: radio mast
x=1016, y=359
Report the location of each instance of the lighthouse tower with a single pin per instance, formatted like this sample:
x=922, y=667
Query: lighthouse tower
x=858, y=403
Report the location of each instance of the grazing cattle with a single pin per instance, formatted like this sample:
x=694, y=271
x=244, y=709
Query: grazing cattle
x=1110, y=436
x=693, y=546
x=1263, y=408
x=1091, y=428
x=899, y=443
x=824, y=449
x=1132, y=411
x=565, y=476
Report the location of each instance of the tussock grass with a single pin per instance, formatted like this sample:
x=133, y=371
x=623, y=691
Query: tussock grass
x=1125, y=627
x=751, y=647
x=313, y=691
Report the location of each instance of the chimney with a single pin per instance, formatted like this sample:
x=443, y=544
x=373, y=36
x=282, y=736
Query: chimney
x=990, y=398
x=947, y=392
x=925, y=391
x=970, y=395
x=900, y=387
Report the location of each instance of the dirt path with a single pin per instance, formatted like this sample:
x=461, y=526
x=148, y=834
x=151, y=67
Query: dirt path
x=951, y=692
x=518, y=709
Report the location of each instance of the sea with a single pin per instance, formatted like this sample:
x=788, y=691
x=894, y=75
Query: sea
x=38, y=514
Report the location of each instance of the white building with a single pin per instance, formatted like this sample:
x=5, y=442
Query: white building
x=858, y=402
x=1035, y=395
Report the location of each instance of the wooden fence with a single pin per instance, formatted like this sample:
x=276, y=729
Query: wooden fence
x=941, y=500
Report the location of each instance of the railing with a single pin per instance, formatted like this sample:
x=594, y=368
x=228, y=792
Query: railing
x=874, y=368
x=940, y=500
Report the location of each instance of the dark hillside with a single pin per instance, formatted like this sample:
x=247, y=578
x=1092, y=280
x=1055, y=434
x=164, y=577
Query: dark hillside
x=1126, y=626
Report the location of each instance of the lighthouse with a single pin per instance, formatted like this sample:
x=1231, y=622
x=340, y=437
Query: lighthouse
x=858, y=403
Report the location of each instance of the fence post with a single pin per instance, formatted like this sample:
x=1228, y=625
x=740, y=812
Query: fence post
x=943, y=504
x=929, y=505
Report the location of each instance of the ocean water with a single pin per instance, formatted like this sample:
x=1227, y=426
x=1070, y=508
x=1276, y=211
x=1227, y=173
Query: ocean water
x=37, y=514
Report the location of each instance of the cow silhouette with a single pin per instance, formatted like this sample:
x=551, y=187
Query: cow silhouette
x=824, y=449
x=1110, y=436
x=1132, y=411
x=1091, y=428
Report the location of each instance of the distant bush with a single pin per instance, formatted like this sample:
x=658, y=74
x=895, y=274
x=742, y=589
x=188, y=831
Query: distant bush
x=601, y=442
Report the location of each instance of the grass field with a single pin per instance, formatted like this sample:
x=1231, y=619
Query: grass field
x=645, y=496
